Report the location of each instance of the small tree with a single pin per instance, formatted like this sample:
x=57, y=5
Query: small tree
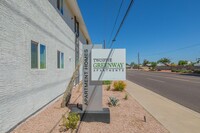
x=145, y=62
x=132, y=64
x=165, y=61
x=153, y=65
x=173, y=64
x=182, y=62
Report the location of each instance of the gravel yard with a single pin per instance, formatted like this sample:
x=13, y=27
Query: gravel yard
x=127, y=117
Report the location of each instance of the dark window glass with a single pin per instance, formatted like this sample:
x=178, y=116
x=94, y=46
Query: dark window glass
x=58, y=59
x=62, y=60
x=76, y=27
x=61, y=9
x=77, y=30
x=42, y=56
x=58, y=4
x=34, y=54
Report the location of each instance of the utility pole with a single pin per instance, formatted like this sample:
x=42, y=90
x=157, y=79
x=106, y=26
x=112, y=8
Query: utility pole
x=138, y=60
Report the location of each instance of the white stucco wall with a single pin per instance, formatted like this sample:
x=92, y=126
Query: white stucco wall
x=24, y=90
x=68, y=18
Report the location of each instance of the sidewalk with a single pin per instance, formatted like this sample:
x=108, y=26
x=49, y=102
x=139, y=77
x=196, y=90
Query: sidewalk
x=176, y=118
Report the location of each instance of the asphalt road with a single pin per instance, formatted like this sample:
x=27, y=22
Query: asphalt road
x=180, y=88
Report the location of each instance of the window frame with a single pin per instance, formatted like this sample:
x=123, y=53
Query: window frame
x=45, y=57
x=76, y=27
x=34, y=42
x=38, y=56
x=60, y=60
x=60, y=5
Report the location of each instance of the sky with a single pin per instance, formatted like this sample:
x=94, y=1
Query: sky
x=153, y=28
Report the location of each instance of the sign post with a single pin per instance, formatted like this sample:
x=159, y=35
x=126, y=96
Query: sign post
x=92, y=90
x=99, y=65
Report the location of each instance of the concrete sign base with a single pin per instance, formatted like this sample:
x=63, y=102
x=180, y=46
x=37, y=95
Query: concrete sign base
x=91, y=116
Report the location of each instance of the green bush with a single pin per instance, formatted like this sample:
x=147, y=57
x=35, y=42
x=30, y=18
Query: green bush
x=197, y=71
x=173, y=70
x=119, y=85
x=113, y=101
x=71, y=121
x=107, y=82
x=126, y=96
x=186, y=71
x=182, y=71
x=108, y=88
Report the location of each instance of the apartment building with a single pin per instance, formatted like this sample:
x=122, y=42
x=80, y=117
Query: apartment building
x=40, y=45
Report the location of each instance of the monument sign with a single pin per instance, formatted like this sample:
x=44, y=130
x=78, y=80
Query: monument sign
x=108, y=64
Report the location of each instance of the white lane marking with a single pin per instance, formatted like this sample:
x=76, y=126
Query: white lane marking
x=155, y=80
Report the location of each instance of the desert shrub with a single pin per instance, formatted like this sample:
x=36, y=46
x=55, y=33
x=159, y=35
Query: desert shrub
x=182, y=71
x=113, y=101
x=119, y=85
x=186, y=71
x=108, y=88
x=71, y=121
x=107, y=82
x=173, y=70
x=197, y=71
x=126, y=96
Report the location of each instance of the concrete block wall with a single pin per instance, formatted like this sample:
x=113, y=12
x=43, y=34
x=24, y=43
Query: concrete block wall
x=24, y=90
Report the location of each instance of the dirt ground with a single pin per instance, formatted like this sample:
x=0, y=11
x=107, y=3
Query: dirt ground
x=127, y=117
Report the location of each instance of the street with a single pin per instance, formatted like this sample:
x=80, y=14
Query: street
x=180, y=88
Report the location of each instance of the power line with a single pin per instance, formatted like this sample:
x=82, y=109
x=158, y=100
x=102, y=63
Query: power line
x=178, y=49
x=121, y=24
x=116, y=21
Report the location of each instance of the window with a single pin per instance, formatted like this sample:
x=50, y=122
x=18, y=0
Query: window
x=60, y=6
x=60, y=59
x=61, y=9
x=42, y=56
x=34, y=54
x=76, y=27
x=38, y=55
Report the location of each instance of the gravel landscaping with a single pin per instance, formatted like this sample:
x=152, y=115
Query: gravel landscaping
x=127, y=117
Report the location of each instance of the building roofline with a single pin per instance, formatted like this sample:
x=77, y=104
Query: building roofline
x=74, y=8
